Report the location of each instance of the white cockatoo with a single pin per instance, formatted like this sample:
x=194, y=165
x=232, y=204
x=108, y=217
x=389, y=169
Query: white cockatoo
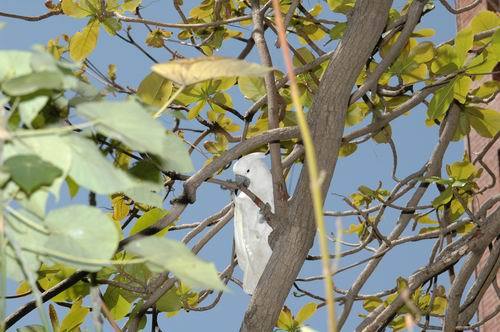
x=251, y=230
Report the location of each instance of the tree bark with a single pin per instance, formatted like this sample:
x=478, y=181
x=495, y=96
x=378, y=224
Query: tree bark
x=326, y=120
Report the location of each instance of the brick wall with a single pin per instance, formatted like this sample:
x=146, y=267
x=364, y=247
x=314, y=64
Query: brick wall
x=474, y=144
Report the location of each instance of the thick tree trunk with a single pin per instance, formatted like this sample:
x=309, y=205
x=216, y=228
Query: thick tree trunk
x=326, y=120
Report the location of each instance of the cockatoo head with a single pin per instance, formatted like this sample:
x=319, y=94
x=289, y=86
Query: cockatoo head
x=249, y=169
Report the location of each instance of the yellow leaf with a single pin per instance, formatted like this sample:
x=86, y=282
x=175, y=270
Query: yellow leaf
x=112, y=72
x=306, y=312
x=120, y=207
x=155, y=90
x=423, y=33
x=356, y=113
x=285, y=320
x=485, y=122
x=131, y=5
x=74, y=8
x=484, y=20
x=83, y=42
x=23, y=288
x=75, y=317
x=149, y=218
x=191, y=71
x=423, y=52
x=54, y=319
x=347, y=149
x=461, y=88
x=195, y=110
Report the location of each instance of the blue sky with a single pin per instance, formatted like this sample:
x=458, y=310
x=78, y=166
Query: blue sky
x=370, y=164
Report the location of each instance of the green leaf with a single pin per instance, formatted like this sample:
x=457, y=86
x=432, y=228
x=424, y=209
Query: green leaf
x=168, y=255
x=148, y=219
x=75, y=317
x=151, y=194
x=338, y=30
x=371, y=303
x=444, y=61
x=461, y=88
x=175, y=156
x=24, y=85
x=252, y=88
x=191, y=71
x=50, y=148
x=441, y=101
x=111, y=25
x=118, y=305
x=443, y=198
x=155, y=90
x=30, y=172
x=25, y=235
x=83, y=232
x=485, y=122
x=84, y=42
x=14, y=64
x=29, y=109
x=482, y=64
x=169, y=302
x=90, y=169
x=487, y=89
x=126, y=121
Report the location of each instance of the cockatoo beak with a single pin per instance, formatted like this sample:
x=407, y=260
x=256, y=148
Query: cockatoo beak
x=242, y=180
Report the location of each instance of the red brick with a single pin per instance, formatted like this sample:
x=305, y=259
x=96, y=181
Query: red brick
x=474, y=145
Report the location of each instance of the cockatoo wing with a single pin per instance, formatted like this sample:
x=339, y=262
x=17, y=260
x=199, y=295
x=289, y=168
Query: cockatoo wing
x=239, y=234
x=251, y=240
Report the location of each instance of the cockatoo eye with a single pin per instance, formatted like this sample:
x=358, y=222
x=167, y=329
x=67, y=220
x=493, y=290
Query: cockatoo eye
x=248, y=171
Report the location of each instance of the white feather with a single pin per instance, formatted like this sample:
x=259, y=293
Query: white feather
x=251, y=230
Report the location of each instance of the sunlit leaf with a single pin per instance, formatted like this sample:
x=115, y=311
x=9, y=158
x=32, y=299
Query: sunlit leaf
x=485, y=122
x=252, y=87
x=84, y=42
x=306, y=312
x=74, y=8
x=347, y=149
x=154, y=90
x=463, y=43
x=148, y=219
x=191, y=71
x=441, y=101
x=461, y=88
x=75, y=317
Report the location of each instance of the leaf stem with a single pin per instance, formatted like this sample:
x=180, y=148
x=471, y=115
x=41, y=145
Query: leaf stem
x=312, y=167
